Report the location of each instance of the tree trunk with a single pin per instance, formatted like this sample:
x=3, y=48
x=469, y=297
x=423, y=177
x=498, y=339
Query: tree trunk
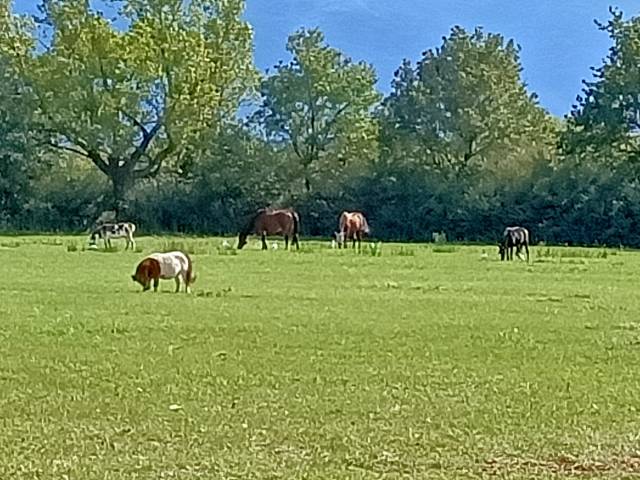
x=122, y=183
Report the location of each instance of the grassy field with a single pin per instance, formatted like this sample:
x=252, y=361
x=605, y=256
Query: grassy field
x=423, y=361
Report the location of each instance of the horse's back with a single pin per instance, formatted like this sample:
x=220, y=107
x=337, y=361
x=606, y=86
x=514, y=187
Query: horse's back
x=172, y=264
x=353, y=221
x=517, y=235
x=277, y=221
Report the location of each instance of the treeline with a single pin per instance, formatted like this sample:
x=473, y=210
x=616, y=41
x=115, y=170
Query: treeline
x=169, y=123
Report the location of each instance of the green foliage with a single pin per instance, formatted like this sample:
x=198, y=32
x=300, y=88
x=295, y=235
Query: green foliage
x=18, y=157
x=130, y=100
x=464, y=108
x=459, y=148
x=604, y=127
x=320, y=107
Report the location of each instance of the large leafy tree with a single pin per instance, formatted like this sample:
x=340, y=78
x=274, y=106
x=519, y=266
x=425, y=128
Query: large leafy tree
x=17, y=133
x=604, y=126
x=463, y=107
x=131, y=99
x=319, y=106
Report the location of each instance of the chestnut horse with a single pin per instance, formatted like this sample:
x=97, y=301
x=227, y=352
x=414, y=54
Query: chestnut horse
x=268, y=221
x=353, y=226
x=514, y=237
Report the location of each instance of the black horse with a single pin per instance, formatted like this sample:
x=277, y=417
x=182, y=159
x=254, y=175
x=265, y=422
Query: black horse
x=514, y=237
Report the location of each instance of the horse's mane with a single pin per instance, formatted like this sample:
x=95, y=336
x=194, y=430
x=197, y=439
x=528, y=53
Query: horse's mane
x=248, y=228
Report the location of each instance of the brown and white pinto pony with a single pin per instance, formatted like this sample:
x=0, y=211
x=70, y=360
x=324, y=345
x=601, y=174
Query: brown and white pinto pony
x=352, y=226
x=107, y=231
x=514, y=237
x=268, y=221
x=164, y=266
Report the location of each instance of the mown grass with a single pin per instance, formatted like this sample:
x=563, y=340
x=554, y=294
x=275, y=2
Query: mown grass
x=319, y=364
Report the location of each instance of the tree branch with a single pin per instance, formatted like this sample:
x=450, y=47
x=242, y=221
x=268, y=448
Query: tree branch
x=135, y=121
x=90, y=154
x=82, y=153
x=153, y=167
x=334, y=119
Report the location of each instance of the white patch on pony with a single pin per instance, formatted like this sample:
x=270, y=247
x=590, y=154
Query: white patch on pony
x=334, y=244
x=226, y=245
x=173, y=265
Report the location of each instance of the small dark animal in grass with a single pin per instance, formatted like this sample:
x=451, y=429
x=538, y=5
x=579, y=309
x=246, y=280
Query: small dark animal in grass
x=165, y=266
x=517, y=237
x=352, y=226
x=269, y=221
x=107, y=231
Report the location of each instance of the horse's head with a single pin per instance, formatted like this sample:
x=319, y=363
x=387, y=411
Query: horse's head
x=242, y=240
x=145, y=282
x=339, y=238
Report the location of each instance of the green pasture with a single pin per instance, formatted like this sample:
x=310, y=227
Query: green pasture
x=409, y=361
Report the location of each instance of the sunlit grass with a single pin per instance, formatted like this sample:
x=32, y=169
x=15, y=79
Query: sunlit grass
x=322, y=363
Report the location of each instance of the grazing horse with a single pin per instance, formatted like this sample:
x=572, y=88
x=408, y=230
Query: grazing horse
x=268, y=221
x=353, y=226
x=107, y=231
x=514, y=237
x=165, y=266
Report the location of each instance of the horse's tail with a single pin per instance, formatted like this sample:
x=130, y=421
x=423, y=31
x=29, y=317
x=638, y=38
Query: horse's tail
x=365, y=225
x=296, y=222
x=190, y=276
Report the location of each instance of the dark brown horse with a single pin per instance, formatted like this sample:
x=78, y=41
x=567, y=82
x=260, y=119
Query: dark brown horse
x=268, y=221
x=514, y=237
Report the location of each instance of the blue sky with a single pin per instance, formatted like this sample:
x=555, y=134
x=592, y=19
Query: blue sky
x=559, y=39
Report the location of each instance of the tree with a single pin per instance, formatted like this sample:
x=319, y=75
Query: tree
x=320, y=106
x=17, y=137
x=463, y=107
x=604, y=126
x=129, y=100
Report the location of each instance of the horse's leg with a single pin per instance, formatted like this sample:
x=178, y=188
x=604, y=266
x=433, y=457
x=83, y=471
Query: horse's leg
x=359, y=235
x=296, y=239
x=286, y=242
x=178, y=283
x=264, y=241
x=187, y=289
x=526, y=249
x=156, y=281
